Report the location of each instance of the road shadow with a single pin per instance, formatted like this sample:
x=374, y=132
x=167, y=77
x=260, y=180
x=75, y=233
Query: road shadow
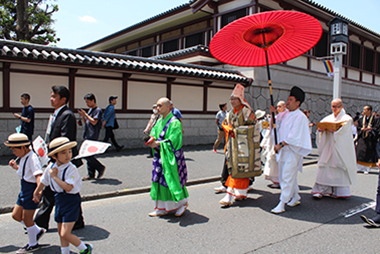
x=45, y=249
x=310, y=209
x=107, y=181
x=188, y=218
x=91, y=233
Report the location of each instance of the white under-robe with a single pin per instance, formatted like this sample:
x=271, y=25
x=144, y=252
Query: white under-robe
x=269, y=158
x=337, y=159
x=293, y=129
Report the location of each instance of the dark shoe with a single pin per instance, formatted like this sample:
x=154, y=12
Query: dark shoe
x=101, y=173
x=78, y=226
x=86, y=178
x=41, y=233
x=88, y=250
x=119, y=148
x=28, y=249
x=369, y=221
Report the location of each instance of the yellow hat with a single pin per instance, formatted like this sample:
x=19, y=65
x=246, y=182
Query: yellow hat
x=60, y=144
x=17, y=139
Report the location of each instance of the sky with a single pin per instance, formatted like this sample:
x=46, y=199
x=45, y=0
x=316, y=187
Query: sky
x=80, y=22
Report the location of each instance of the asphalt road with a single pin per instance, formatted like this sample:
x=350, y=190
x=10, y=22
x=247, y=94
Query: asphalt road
x=127, y=171
x=122, y=225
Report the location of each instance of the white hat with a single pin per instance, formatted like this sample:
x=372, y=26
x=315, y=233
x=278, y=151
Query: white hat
x=259, y=113
x=60, y=144
x=17, y=139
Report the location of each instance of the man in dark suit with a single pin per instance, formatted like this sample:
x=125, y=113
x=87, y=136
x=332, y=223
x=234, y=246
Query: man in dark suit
x=63, y=124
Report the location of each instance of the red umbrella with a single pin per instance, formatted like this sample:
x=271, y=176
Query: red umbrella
x=266, y=38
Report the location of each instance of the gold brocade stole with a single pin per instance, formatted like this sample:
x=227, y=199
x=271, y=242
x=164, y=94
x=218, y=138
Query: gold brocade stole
x=365, y=134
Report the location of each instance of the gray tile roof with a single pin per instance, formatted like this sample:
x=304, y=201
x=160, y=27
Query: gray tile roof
x=188, y=5
x=183, y=52
x=13, y=50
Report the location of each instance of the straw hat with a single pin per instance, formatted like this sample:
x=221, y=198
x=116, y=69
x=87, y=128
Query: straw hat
x=60, y=144
x=17, y=139
x=259, y=113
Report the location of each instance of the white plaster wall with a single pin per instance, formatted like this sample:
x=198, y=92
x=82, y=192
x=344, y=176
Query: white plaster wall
x=187, y=97
x=144, y=95
x=149, y=77
x=352, y=74
x=38, y=86
x=101, y=88
x=271, y=4
x=368, y=44
x=217, y=96
x=232, y=5
x=354, y=38
x=100, y=73
x=36, y=67
x=377, y=80
x=317, y=65
x=300, y=61
x=189, y=81
x=367, y=78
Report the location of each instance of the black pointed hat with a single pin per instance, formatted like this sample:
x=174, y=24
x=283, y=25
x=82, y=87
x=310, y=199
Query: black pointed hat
x=298, y=93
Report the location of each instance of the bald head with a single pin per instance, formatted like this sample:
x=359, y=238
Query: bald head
x=163, y=106
x=281, y=106
x=336, y=106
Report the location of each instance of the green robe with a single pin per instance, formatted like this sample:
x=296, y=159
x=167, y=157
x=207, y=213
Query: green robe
x=169, y=164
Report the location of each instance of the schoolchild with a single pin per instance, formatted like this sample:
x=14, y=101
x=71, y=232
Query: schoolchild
x=29, y=171
x=63, y=178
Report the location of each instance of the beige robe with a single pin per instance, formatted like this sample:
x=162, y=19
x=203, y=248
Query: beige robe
x=337, y=160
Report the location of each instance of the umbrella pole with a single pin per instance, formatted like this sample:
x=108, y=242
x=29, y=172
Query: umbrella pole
x=271, y=94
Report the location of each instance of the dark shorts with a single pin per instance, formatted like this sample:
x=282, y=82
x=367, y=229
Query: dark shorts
x=25, y=197
x=67, y=207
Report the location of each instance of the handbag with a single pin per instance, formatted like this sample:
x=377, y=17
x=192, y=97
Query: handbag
x=115, y=124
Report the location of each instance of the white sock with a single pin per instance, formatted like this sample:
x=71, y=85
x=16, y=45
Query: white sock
x=227, y=198
x=32, y=234
x=81, y=246
x=23, y=224
x=65, y=250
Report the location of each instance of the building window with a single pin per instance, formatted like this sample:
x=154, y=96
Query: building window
x=355, y=55
x=368, y=60
x=229, y=17
x=378, y=63
x=194, y=39
x=321, y=49
x=132, y=53
x=147, y=51
x=170, y=46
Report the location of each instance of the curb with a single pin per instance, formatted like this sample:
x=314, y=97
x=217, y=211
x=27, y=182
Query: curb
x=8, y=209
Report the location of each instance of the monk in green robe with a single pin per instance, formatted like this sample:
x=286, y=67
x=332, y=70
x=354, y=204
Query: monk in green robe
x=169, y=173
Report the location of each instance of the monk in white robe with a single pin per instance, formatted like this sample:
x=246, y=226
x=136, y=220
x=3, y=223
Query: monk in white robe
x=270, y=162
x=337, y=159
x=294, y=143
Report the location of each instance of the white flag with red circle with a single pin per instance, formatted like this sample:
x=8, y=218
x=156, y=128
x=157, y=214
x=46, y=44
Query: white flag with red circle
x=90, y=147
x=41, y=150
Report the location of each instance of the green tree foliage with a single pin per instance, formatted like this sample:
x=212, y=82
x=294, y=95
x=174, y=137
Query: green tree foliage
x=28, y=21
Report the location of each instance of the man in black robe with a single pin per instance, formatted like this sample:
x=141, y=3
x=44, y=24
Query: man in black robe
x=366, y=139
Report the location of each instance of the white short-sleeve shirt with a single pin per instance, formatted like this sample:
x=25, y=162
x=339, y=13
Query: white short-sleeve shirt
x=32, y=167
x=72, y=177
